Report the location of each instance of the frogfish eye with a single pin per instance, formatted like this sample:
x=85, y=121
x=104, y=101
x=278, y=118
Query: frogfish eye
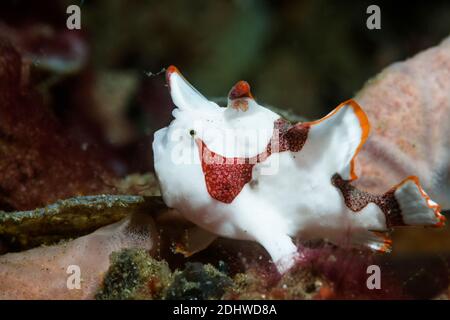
x=192, y=132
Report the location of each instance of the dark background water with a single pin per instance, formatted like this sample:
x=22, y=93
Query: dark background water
x=302, y=55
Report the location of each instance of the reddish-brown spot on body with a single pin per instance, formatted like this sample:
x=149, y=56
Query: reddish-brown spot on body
x=225, y=177
x=356, y=200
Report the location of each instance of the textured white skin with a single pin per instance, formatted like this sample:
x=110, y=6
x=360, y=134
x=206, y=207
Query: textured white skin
x=296, y=199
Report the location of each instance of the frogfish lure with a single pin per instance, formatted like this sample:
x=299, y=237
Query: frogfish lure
x=243, y=172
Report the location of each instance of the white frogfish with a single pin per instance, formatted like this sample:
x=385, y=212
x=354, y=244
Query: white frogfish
x=243, y=172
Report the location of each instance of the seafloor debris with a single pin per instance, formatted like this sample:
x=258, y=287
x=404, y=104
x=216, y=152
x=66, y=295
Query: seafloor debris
x=198, y=282
x=298, y=283
x=134, y=274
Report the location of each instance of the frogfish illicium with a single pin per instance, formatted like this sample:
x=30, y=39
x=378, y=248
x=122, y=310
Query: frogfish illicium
x=243, y=172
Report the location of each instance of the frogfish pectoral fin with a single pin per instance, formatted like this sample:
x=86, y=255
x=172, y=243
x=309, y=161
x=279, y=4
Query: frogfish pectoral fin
x=195, y=239
x=374, y=240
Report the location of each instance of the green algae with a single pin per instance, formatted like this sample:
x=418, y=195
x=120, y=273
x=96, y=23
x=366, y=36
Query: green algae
x=134, y=274
x=198, y=282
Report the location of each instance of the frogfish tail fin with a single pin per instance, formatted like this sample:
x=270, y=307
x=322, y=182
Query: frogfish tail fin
x=413, y=206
